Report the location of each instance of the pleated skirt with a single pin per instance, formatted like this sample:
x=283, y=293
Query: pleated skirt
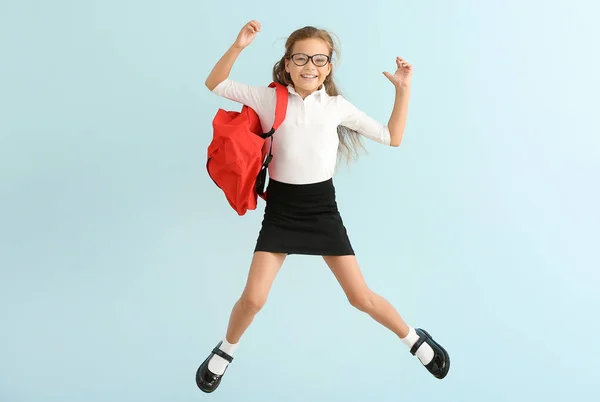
x=303, y=219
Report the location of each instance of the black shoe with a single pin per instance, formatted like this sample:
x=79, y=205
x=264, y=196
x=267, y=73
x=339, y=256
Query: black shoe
x=440, y=364
x=205, y=379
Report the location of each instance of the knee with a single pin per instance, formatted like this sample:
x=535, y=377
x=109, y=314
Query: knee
x=252, y=303
x=362, y=301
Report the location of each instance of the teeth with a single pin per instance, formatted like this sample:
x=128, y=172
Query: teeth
x=309, y=76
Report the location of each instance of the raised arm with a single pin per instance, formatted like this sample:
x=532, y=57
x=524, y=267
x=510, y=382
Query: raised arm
x=221, y=70
x=392, y=133
x=401, y=80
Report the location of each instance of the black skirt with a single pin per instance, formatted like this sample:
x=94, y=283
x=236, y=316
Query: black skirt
x=303, y=219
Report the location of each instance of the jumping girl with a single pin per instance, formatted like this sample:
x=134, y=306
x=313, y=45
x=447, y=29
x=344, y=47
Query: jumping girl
x=301, y=215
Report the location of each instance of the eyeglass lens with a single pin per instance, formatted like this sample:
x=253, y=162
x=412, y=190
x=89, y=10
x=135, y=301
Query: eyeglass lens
x=301, y=59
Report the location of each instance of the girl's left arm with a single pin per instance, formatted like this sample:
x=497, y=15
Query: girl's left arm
x=401, y=80
x=397, y=121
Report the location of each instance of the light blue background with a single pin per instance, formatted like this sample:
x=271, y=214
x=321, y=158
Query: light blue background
x=120, y=260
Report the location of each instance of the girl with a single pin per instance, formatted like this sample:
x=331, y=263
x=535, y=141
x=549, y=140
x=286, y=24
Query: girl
x=301, y=215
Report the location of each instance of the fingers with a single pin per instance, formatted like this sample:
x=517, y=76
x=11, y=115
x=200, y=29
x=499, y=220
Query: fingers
x=388, y=76
x=254, y=26
x=403, y=63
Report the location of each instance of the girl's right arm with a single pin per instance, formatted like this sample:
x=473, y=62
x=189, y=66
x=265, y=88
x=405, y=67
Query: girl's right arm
x=221, y=70
x=260, y=98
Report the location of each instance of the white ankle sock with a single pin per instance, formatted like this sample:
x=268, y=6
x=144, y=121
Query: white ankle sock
x=217, y=364
x=424, y=353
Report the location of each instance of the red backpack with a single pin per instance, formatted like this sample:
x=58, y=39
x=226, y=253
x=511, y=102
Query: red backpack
x=237, y=161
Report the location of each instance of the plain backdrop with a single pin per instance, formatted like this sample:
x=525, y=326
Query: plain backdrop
x=120, y=260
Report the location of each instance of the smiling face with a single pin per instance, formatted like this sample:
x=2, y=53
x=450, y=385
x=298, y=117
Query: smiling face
x=308, y=74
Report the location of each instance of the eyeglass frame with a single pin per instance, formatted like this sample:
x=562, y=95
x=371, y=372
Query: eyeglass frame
x=291, y=57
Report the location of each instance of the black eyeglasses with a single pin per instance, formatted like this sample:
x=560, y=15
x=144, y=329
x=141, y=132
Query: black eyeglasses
x=319, y=60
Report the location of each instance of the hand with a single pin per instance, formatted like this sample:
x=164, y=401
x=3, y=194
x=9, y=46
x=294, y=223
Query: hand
x=401, y=78
x=247, y=34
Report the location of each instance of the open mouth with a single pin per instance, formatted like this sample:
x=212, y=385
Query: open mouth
x=308, y=76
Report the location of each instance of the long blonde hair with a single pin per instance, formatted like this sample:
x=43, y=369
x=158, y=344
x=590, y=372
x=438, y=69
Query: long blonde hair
x=350, y=141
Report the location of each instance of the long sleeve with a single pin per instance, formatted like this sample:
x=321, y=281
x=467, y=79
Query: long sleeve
x=261, y=99
x=356, y=119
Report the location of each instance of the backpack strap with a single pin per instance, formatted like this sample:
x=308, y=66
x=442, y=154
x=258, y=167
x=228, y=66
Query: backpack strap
x=280, y=107
x=280, y=112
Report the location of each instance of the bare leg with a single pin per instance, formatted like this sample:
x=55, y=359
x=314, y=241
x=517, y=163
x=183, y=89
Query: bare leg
x=348, y=274
x=263, y=270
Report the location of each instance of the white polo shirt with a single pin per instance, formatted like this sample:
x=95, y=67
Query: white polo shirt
x=305, y=145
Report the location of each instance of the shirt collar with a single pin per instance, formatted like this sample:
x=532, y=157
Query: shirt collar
x=321, y=92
